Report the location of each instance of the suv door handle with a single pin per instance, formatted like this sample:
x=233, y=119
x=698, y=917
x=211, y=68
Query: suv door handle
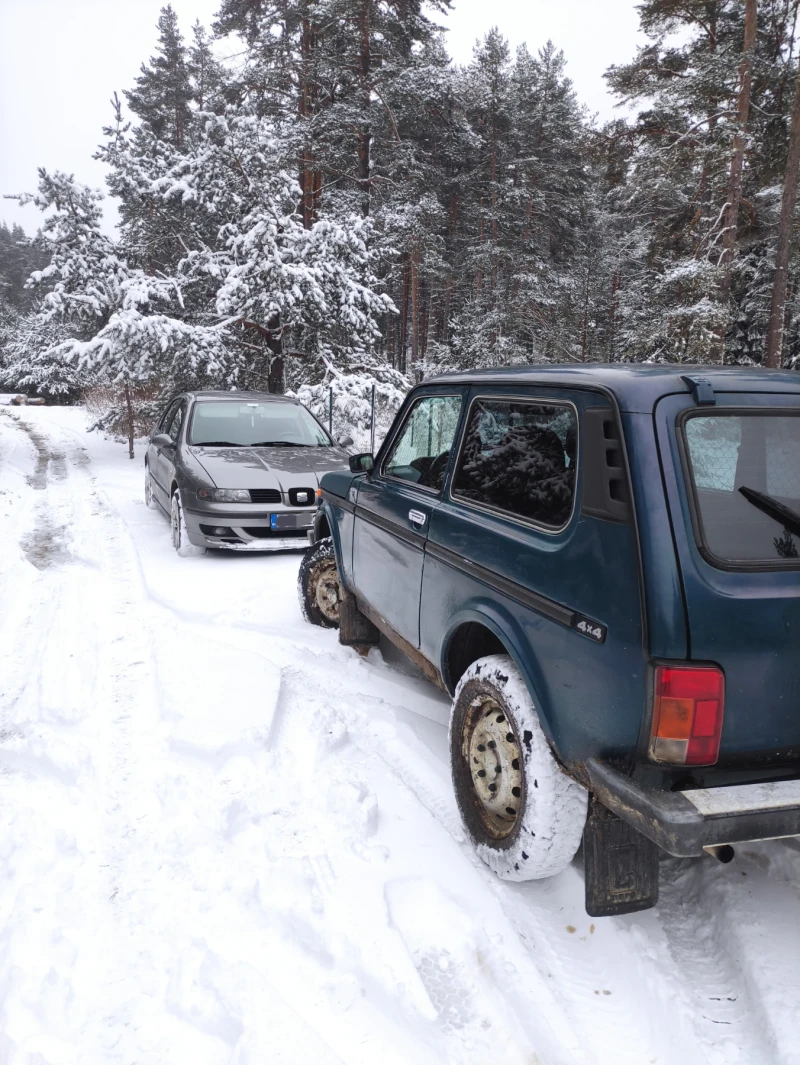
x=417, y=517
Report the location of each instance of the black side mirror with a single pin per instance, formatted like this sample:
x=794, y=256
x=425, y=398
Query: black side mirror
x=362, y=463
x=345, y=441
x=162, y=440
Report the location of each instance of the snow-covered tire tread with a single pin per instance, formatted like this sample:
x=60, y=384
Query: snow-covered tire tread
x=183, y=546
x=550, y=825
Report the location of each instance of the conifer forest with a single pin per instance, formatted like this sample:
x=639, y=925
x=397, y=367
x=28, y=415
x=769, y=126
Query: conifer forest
x=312, y=195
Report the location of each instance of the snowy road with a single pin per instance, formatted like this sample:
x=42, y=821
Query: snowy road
x=226, y=839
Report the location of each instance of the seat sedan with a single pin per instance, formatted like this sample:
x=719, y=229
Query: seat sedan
x=238, y=470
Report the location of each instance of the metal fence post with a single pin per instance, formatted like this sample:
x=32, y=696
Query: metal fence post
x=372, y=423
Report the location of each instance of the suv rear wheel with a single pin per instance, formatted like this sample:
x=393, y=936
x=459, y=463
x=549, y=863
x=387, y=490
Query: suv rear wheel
x=524, y=815
x=318, y=587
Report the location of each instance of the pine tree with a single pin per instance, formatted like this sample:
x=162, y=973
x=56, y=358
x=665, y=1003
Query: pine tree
x=674, y=202
x=163, y=91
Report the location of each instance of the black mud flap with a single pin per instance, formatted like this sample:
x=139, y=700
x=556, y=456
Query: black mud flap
x=355, y=629
x=621, y=865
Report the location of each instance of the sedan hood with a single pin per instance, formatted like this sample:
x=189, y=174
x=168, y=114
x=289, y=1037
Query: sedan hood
x=269, y=467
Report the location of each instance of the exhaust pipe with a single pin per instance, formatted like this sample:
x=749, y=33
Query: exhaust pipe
x=723, y=853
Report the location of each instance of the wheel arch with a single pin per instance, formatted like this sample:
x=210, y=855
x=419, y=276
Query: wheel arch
x=484, y=629
x=322, y=526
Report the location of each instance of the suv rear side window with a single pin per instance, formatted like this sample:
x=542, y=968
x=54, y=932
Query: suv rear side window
x=421, y=452
x=745, y=469
x=519, y=457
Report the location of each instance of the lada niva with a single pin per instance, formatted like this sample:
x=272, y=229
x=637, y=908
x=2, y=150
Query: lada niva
x=601, y=564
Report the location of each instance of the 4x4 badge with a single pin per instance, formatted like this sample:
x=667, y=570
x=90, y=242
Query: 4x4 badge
x=586, y=627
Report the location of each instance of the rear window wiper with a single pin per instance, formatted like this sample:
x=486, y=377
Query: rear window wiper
x=789, y=518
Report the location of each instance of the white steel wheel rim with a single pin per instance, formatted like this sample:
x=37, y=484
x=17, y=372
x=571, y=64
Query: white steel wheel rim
x=492, y=753
x=176, y=522
x=326, y=589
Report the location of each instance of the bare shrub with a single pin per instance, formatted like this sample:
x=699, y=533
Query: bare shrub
x=107, y=407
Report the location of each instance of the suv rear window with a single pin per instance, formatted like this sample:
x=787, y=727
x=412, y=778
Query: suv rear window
x=745, y=473
x=519, y=457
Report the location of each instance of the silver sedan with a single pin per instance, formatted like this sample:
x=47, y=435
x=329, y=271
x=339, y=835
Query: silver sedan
x=238, y=470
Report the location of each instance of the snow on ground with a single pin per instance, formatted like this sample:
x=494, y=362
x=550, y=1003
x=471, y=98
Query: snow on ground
x=226, y=839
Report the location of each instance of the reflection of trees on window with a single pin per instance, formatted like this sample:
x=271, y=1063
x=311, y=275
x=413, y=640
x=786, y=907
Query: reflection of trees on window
x=422, y=450
x=520, y=457
x=758, y=450
x=785, y=545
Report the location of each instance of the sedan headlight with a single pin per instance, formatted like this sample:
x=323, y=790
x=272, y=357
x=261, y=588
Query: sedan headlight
x=224, y=495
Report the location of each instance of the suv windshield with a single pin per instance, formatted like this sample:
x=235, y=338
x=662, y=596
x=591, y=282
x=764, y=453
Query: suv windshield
x=227, y=423
x=745, y=470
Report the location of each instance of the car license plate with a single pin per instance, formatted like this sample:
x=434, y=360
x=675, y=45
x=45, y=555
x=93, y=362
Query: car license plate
x=284, y=522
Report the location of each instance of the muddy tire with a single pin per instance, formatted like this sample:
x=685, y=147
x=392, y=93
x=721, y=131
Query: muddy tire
x=318, y=587
x=524, y=815
x=180, y=537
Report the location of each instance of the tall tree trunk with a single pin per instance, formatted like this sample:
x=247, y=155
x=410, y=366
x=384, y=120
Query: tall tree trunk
x=403, y=361
x=365, y=133
x=612, y=316
x=730, y=232
x=309, y=177
x=481, y=240
x=774, y=351
x=276, y=379
x=129, y=407
x=415, y=309
x=585, y=328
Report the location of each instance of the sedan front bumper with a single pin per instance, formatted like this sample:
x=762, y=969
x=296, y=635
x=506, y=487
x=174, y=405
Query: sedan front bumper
x=235, y=530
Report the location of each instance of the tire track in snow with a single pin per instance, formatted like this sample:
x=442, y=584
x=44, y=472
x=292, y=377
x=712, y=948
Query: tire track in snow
x=729, y=1018
x=305, y=869
x=153, y=909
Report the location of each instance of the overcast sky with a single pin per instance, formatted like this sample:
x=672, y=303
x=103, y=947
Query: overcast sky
x=61, y=61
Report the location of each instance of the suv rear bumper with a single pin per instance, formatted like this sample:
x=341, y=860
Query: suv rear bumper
x=683, y=823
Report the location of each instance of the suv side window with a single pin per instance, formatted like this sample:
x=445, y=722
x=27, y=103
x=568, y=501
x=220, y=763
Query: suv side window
x=519, y=457
x=421, y=451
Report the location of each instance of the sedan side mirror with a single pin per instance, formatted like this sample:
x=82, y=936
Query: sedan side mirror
x=162, y=440
x=345, y=441
x=362, y=463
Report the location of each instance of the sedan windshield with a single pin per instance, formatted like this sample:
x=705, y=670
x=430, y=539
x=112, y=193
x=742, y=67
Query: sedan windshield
x=746, y=473
x=227, y=423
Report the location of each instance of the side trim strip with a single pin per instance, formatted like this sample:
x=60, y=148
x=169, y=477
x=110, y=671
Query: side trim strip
x=551, y=609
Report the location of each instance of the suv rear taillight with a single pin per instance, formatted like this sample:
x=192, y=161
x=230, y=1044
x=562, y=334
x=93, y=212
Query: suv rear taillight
x=687, y=715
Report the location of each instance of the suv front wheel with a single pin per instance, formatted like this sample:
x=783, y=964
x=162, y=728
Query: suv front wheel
x=524, y=815
x=318, y=587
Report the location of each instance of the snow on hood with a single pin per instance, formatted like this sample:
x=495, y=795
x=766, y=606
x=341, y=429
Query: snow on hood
x=268, y=467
